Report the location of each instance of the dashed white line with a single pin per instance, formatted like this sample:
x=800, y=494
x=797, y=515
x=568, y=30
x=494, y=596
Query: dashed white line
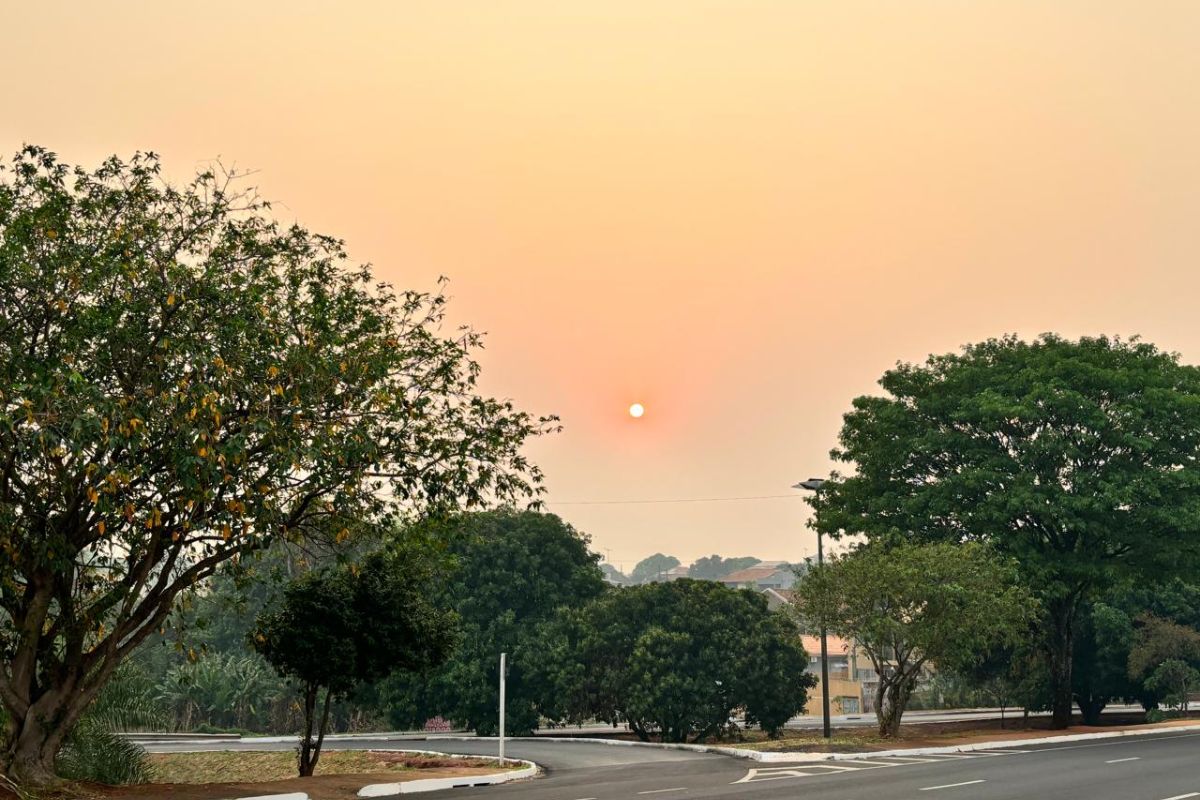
x=659, y=791
x=952, y=785
x=1183, y=796
x=1123, y=760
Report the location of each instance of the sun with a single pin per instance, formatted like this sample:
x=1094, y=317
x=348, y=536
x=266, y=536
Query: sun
x=636, y=410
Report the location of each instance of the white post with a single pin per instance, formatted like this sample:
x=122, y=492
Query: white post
x=502, y=660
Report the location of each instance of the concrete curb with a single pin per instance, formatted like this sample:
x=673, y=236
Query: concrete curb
x=774, y=757
x=434, y=784
x=781, y=757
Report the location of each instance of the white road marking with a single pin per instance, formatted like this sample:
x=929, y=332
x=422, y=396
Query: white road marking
x=952, y=785
x=1123, y=760
x=1183, y=796
x=1120, y=740
x=814, y=769
x=659, y=791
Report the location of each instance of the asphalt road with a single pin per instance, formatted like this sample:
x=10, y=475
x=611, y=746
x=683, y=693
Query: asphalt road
x=1152, y=767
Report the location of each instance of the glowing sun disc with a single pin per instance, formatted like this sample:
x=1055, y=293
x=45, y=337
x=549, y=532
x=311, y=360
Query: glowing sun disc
x=636, y=410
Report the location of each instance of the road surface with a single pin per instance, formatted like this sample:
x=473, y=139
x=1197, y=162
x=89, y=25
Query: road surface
x=1150, y=767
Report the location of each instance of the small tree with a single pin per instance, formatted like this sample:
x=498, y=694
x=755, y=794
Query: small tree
x=512, y=570
x=1174, y=680
x=912, y=605
x=338, y=628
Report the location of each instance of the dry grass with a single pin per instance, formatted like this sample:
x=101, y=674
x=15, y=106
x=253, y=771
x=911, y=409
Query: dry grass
x=237, y=767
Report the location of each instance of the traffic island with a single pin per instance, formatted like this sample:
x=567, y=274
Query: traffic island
x=340, y=775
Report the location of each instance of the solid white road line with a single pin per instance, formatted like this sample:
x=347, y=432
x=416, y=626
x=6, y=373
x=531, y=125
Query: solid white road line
x=1123, y=760
x=1183, y=796
x=952, y=785
x=659, y=791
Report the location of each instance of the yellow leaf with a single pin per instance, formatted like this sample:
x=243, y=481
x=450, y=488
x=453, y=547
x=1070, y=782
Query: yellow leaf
x=92, y=494
x=343, y=535
x=272, y=372
x=226, y=532
x=171, y=299
x=100, y=527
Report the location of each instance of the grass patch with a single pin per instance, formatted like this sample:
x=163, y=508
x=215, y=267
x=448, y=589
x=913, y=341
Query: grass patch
x=236, y=767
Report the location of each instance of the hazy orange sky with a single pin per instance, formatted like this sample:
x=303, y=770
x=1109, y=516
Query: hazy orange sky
x=738, y=213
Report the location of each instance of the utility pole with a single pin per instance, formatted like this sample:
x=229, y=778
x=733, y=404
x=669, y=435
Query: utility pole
x=814, y=485
x=503, y=669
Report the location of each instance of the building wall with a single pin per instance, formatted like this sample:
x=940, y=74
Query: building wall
x=845, y=697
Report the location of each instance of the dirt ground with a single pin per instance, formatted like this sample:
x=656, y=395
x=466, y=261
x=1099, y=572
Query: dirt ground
x=341, y=785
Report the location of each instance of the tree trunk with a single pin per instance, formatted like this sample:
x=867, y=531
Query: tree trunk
x=305, y=755
x=1091, y=707
x=29, y=758
x=1061, y=646
x=892, y=705
x=316, y=752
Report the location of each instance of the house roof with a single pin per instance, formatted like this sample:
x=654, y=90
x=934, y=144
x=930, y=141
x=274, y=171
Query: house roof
x=751, y=574
x=836, y=645
x=782, y=595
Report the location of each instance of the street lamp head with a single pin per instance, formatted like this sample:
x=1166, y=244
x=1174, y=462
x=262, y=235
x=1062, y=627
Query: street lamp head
x=812, y=484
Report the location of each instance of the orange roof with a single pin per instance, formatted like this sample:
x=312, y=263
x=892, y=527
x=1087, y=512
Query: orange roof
x=751, y=574
x=836, y=644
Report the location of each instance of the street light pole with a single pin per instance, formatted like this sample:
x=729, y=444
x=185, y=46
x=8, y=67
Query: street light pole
x=503, y=670
x=814, y=485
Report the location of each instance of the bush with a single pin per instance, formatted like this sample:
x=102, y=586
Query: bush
x=95, y=750
x=671, y=659
x=102, y=756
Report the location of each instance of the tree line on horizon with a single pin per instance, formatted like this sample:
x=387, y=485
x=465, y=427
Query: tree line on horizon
x=655, y=567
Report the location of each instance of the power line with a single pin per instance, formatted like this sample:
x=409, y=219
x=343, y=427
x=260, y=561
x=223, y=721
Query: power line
x=675, y=500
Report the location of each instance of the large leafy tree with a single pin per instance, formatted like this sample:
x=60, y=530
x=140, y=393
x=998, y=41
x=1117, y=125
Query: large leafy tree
x=184, y=381
x=514, y=571
x=338, y=628
x=674, y=660
x=653, y=568
x=912, y=605
x=1077, y=458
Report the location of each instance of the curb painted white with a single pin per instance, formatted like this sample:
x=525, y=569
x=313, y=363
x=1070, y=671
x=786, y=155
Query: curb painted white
x=434, y=784
x=288, y=796
x=775, y=757
x=961, y=748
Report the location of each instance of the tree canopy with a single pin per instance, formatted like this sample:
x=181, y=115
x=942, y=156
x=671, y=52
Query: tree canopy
x=912, y=605
x=355, y=624
x=653, y=567
x=673, y=659
x=513, y=571
x=1076, y=458
x=183, y=381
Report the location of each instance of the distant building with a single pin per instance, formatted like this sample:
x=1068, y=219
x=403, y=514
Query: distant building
x=845, y=688
x=675, y=573
x=762, y=576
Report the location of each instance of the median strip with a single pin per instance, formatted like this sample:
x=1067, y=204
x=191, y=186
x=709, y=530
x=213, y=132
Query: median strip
x=952, y=785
